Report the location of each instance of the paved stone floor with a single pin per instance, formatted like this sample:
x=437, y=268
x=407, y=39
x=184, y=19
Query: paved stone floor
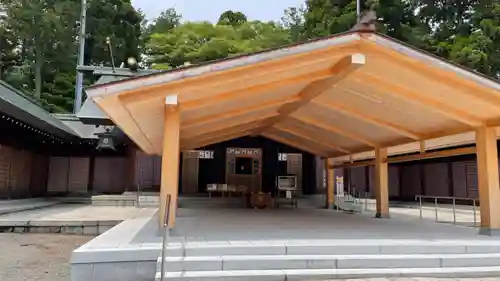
x=423, y=279
x=241, y=224
x=37, y=257
x=77, y=212
x=464, y=215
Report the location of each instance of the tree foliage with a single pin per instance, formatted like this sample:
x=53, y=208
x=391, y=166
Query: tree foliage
x=197, y=42
x=38, y=51
x=466, y=31
x=232, y=18
x=38, y=38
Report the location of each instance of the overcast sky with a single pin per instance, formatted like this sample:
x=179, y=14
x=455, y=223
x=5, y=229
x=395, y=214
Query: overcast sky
x=197, y=10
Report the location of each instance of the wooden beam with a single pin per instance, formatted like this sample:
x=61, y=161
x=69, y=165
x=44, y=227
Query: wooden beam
x=304, y=136
x=369, y=119
x=422, y=146
x=218, y=139
x=254, y=90
x=235, y=74
x=237, y=112
x=339, y=72
x=488, y=180
x=294, y=144
x=353, y=164
x=433, y=73
x=170, y=161
x=192, y=132
x=433, y=154
x=113, y=108
x=330, y=184
x=217, y=136
x=381, y=172
x=413, y=157
x=398, y=91
x=334, y=129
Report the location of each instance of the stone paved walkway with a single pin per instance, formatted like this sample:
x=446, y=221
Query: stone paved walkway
x=422, y=279
x=76, y=212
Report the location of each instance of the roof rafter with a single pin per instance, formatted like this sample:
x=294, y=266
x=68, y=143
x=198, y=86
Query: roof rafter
x=392, y=88
x=227, y=96
x=238, y=111
x=254, y=121
x=294, y=144
x=295, y=132
x=489, y=96
x=370, y=119
x=339, y=72
x=335, y=129
x=215, y=138
x=200, y=82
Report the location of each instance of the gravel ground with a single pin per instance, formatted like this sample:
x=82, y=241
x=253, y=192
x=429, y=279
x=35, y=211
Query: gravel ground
x=37, y=257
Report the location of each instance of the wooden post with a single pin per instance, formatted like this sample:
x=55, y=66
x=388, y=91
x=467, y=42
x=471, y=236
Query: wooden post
x=489, y=188
x=170, y=160
x=381, y=183
x=330, y=184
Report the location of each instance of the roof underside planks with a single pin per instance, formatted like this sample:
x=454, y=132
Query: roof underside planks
x=336, y=96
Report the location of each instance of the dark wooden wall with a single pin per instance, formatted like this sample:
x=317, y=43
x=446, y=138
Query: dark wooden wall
x=452, y=176
x=22, y=173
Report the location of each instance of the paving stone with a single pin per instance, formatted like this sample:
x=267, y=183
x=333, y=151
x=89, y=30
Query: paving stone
x=387, y=261
x=90, y=230
x=82, y=272
x=471, y=260
x=123, y=271
x=332, y=250
x=225, y=251
x=422, y=249
x=305, y=274
x=263, y=264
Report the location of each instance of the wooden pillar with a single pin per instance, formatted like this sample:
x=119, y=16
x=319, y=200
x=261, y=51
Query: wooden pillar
x=381, y=183
x=170, y=160
x=489, y=193
x=330, y=183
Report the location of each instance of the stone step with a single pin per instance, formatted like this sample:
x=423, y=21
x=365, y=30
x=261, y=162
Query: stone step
x=329, y=247
x=325, y=274
x=277, y=262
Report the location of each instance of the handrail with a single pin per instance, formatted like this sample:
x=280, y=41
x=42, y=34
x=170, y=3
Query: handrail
x=138, y=196
x=166, y=217
x=454, y=200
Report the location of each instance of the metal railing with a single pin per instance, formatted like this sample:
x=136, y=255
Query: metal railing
x=164, y=243
x=138, y=197
x=453, y=200
x=358, y=197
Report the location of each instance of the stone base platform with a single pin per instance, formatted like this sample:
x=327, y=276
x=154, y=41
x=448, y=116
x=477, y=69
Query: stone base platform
x=289, y=244
x=70, y=219
x=146, y=199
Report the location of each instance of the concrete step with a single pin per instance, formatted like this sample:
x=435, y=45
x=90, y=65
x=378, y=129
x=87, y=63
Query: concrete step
x=333, y=247
x=278, y=262
x=325, y=274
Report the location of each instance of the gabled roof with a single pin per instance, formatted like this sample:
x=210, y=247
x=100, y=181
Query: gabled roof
x=332, y=96
x=17, y=105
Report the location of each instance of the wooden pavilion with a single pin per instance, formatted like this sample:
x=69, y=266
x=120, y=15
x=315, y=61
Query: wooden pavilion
x=333, y=97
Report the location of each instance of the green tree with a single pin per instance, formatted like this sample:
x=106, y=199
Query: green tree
x=118, y=20
x=165, y=22
x=294, y=20
x=197, y=42
x=232, y=18
x=325, y=17
x=44, y=39
x=44, y=26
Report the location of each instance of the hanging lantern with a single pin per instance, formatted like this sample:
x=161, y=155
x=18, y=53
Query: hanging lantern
x=106, y=140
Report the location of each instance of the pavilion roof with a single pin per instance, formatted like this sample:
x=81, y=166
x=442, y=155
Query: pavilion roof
x=333, y=96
